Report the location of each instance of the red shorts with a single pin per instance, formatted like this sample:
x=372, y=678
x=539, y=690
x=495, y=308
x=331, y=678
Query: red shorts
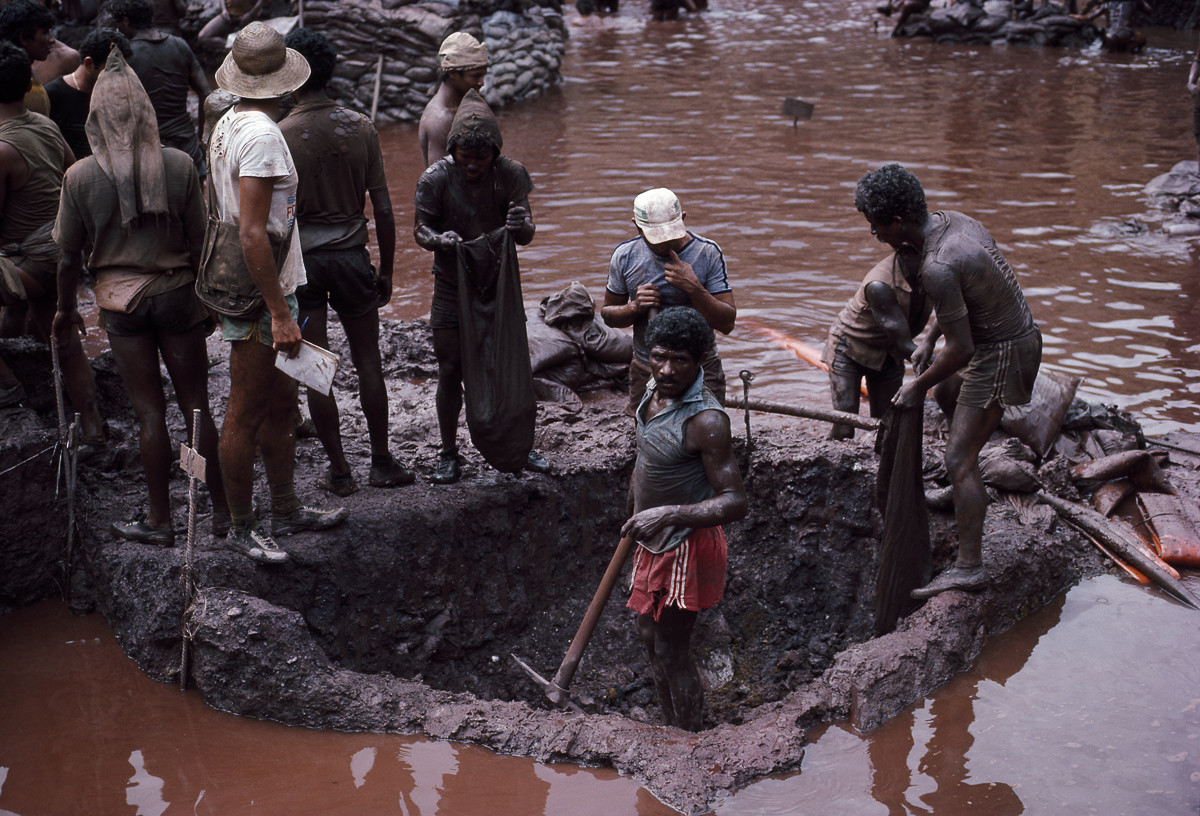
x=691, y=576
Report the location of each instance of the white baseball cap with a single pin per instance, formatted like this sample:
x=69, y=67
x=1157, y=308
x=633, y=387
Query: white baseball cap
x=658, y=215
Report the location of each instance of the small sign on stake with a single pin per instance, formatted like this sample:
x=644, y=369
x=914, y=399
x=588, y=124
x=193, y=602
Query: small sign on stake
x=191, y=463
x=797, y=109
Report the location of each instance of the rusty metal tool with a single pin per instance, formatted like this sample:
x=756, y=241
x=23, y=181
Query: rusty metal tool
x=747, y=377
x=557, y=690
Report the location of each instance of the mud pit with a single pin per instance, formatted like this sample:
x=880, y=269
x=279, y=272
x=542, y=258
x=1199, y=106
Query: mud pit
x=404, y=619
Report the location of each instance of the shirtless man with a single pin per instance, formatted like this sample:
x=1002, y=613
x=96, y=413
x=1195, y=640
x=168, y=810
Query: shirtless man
x=462, y=66
x=685, y=485
x=872, y=337
x=992, y=347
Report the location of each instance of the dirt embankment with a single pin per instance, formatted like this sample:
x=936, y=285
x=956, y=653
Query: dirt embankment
x=404, y=619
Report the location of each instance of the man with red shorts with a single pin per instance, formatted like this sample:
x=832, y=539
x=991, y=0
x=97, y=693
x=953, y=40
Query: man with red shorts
x=685, y=485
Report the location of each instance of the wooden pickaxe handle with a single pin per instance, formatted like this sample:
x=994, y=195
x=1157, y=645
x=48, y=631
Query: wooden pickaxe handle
x=557, y=690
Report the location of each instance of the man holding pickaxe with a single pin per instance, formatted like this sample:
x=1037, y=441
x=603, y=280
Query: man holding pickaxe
x=685, y=485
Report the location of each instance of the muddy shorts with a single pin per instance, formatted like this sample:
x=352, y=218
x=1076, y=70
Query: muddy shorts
x=845, y=366
x=258, y=330
x=691, y=576
x=173, y=312
x=443, y=312
x=1002, y=372
x=343, y=278
x=639, y=375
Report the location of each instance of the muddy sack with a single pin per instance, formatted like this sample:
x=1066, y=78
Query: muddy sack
x=497, y=379
x=905, y=555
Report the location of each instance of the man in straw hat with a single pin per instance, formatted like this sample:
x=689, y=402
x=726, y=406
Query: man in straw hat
x=666, y=265
x=136, y=208
x=462, y=65
x=254, y=186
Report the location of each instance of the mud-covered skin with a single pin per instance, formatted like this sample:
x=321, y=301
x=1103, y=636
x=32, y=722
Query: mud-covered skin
x=403, y=620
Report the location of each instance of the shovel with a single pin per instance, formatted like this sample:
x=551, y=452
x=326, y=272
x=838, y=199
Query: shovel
x=557, y=689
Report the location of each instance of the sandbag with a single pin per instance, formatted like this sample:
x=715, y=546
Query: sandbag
x=548, y=346
x=497, y=378
x=604, y=344
x=1174, y=537
x=1037, y=423
x=905, y=554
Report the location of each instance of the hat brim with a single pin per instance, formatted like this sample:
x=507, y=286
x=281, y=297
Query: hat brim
x=661, y=233
x=291, y=76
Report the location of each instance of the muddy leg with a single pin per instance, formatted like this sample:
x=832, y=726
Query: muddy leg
x=362, y=333
x=186, y=358
x=969, y=431
x=449, y=398
x=137, y=362
x=844, y=392
x=648, y=630
x=323, y=407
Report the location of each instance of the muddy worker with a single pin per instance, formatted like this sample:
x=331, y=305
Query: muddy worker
x=253, y=191
x=29, y=26
x=872, y=337
x=666, y=265
x=992, y=348
x=464, y=198
x=33, y=158
x=167, y=69
x=137, y=209
x=337, y=156
x=71, y=95
x=685, y=485
x=462, y=66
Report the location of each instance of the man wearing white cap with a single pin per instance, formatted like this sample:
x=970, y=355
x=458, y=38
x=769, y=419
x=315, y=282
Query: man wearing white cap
x=666, y=265
x=254, y=183
x=462, y=65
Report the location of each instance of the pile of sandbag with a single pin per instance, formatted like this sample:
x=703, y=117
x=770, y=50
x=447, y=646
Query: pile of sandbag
x=526, y=49
x=571, y=351
x=968, y=23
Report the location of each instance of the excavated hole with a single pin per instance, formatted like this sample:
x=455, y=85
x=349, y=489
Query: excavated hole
x=511, y=567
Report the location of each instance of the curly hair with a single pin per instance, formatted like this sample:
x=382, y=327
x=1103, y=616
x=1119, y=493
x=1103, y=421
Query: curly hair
x=890, y=191
x=320, y=53
x=99, y=44
x=23, y=18
x=680, y=328
x=15, y=72
x=138, y=13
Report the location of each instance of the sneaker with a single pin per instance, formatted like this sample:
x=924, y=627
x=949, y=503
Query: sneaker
x=970, y=579
x=538, y=463
x=255, y=543
x=392, y=474
x=307, y=518
x=449, y=468
x=138, y=530
x=339, y=484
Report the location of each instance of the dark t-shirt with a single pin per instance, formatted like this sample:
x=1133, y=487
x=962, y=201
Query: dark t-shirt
x=164, y=63
x=69, y=110
x=337, y=157
x=446, y=201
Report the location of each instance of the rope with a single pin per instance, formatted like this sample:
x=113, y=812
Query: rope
x=30, y=459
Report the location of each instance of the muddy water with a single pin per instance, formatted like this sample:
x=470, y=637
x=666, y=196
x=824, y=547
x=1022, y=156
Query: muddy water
x=1090, y=705
x=1048, y=148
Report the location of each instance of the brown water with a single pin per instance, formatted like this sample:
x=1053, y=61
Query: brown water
x=1049, y=148
x=1092, y=705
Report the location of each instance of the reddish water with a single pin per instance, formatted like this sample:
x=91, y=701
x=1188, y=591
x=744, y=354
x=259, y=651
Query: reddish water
x=1090, y=706
x=1049, y=148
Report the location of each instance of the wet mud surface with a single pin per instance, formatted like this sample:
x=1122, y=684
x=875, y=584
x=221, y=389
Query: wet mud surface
x=405, y=618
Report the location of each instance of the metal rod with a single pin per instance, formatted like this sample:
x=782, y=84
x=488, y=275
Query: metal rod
x=189, y=586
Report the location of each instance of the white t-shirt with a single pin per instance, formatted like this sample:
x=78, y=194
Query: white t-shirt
x=249, y=143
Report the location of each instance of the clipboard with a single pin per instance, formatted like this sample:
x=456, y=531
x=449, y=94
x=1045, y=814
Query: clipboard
x=313, y=366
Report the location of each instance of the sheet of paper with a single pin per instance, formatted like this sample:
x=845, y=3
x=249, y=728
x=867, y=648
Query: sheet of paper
x=313, y=366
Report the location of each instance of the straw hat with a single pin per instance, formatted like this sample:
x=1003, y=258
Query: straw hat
x=260, y=66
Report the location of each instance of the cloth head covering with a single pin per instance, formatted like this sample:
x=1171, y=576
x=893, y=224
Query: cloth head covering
x=659, y=216
x=261, y=66
x=462, y=52
x=123, y=132
x=474, y=118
